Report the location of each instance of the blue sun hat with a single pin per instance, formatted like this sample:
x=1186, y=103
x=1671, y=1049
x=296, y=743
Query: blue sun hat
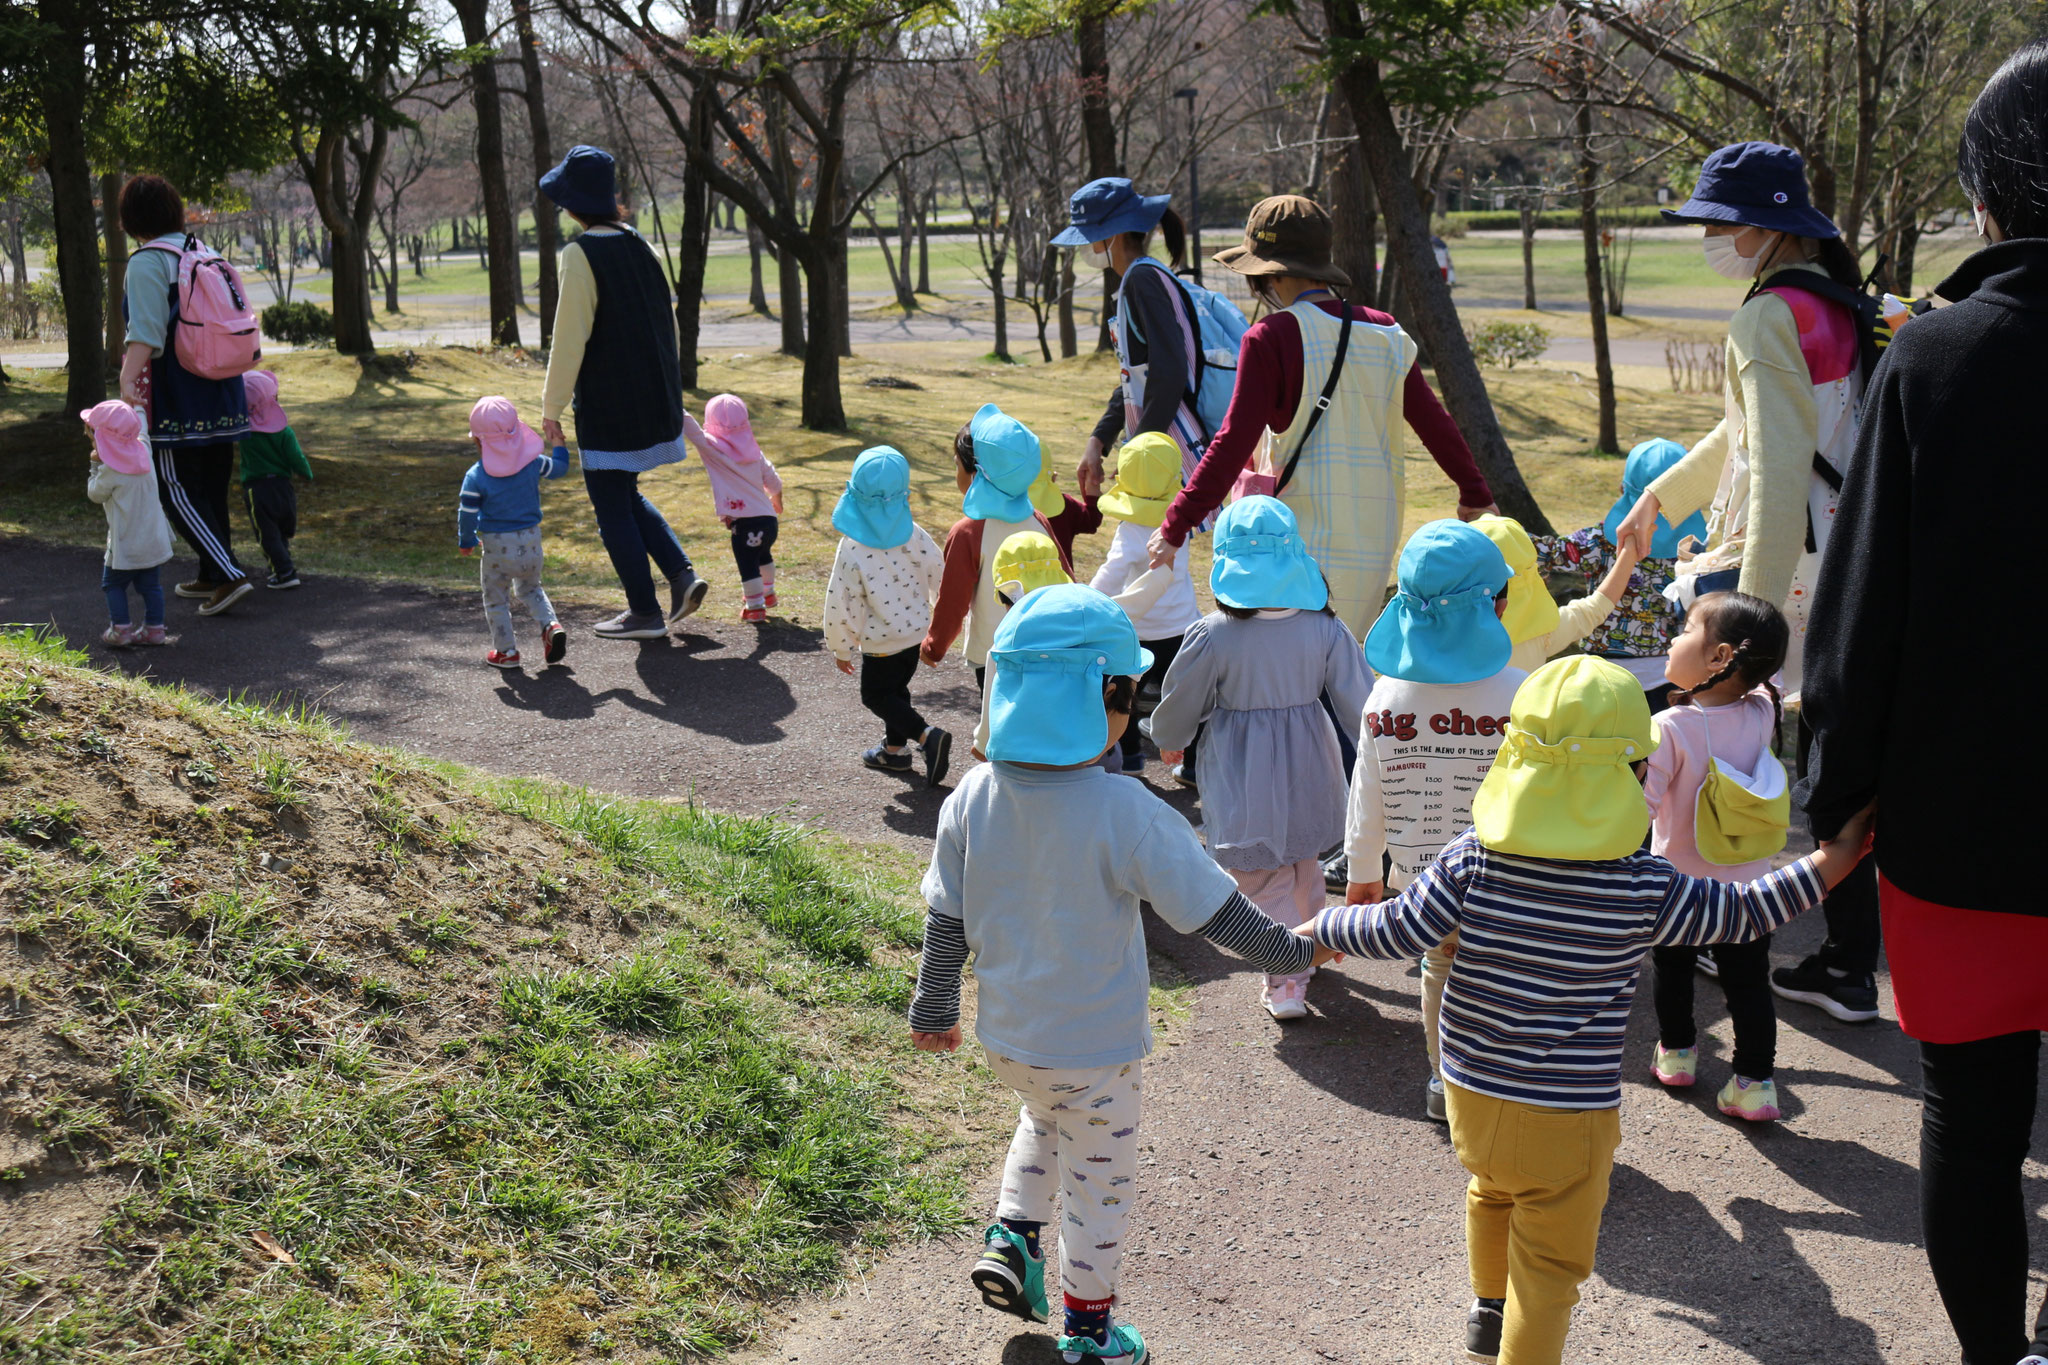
x=1101, y=209
x=1755, y=184
x=1006, y=461
x=1262, y=563
x=583, y=183
x=1051, y=656
x=1441, y=627
x=875, y=508
x=1646, y=464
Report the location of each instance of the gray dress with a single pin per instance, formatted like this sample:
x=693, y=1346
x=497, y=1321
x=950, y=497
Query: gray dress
x=1273, y=788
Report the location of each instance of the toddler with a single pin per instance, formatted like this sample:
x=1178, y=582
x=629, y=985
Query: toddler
x=1638, y=633
x=878, y=604
x=1432, y=725
x=747, y=492
x=123, y=483
x=1556, y=903
x=1066, y=516
x=1039, y=868
x=500, y=509
x=1147, y=478
x=270, y=458
x=1719, y=808
x=1536, y=625
x=1255, y=672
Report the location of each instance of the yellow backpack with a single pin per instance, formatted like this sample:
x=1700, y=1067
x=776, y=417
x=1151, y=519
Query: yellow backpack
x=1742, y=817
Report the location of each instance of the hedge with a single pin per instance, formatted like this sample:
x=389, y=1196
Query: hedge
x=1498, y=220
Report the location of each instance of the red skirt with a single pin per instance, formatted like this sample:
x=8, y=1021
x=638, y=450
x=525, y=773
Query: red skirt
x=1960, y=975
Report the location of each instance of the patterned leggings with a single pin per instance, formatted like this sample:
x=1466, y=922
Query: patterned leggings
x=511, y=567
x=1077, y=1135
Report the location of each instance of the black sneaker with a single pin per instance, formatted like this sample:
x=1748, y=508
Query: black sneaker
x=1482, y=1330
x=1337, y=874
x=282, y=580
x=882, y=761
x=1850, y=996
x=938, y=755
x=685, y=595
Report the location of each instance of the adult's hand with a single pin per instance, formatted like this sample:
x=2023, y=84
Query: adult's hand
x=1159, y=551
x=1475, y=513
x=1640, y=525
x=552, y=429
x=1088, y=473
x=131, y=392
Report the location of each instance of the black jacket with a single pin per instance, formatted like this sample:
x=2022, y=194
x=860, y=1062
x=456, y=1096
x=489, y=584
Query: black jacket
x=1929, y=597
x=629, y=393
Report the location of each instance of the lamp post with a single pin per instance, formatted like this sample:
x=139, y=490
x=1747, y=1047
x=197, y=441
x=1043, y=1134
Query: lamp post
x=1194, y=185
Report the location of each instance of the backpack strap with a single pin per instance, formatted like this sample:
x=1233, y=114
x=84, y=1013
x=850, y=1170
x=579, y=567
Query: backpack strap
x=1194, y=326
x=1322, y=403
x=1862, y=307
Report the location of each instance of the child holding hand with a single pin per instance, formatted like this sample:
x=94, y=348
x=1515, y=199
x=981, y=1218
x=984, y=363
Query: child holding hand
x=123, y=483
x=1039, y=868
x=747, y=492
x=500, y=511
x=271, y=458
x=1556, y=904
x=1538, y=627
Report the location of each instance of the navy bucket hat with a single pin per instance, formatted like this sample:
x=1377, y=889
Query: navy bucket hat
x=1755, y=184
x=1101, y=209
x=583, y=184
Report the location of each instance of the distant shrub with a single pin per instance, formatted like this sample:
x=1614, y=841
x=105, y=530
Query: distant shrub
x=298, y=324
x=1503, y=344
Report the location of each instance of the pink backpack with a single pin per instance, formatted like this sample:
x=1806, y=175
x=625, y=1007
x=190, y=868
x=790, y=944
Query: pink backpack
x=217, y=336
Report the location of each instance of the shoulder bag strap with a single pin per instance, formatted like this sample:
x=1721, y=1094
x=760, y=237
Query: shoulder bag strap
x=1322, y=403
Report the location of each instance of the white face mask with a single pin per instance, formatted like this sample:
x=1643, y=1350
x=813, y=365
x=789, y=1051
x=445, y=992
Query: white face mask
x=1095, y=256
x=1724, y=259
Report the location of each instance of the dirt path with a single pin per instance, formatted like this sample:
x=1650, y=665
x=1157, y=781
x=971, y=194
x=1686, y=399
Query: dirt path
x=1298, y=1208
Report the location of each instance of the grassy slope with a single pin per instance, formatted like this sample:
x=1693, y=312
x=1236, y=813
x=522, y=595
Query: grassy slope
x=507, y=1070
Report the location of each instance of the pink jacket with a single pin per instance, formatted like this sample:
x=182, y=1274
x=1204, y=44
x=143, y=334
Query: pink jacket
x=741, y=477
x=1738, y=734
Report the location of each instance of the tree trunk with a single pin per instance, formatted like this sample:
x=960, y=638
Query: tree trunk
x=1528, y=214
x=791, y=281
x=757, y=294
x=502, y=263
x=822, y=408
x=345, y=222
x=925, y=208
x=1002, y=350
x=1048, y=281
x=1434, y=315
x=1596, y=293
x=547, y=222
x=1098, y=133
x=842, y=303
x=1070, y=342
x=391, y=274
x=1902, y=259
x=78, y=248
x=1354, y=217
x=117, y=266
x=906, y=297
x=693, y=247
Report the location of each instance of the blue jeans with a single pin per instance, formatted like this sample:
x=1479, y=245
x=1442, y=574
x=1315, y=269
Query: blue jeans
x=147, y=584
x=633, y=531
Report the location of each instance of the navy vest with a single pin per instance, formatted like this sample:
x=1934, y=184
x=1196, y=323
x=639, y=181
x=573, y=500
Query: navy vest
x=629, y=392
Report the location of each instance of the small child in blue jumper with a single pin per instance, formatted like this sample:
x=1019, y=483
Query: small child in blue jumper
x=500, y=510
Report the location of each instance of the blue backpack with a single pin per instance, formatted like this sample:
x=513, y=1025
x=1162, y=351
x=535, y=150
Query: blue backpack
x=1220, y=325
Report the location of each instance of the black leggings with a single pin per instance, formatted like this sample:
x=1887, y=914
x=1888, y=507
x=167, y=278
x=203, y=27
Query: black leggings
x=1974, y=1133
x=1746, y=977
x=885, y=690
x=753, y=544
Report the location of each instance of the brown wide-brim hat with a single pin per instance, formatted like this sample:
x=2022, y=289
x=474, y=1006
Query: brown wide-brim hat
x=1285, y=235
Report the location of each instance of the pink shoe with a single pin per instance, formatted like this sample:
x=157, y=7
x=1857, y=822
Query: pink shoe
x=753, y=616
x=153, y=635
x=1288, y=1000
x=769, y=600
x=119, y=636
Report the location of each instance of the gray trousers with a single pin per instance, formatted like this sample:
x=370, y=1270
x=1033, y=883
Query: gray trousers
x=511, y=563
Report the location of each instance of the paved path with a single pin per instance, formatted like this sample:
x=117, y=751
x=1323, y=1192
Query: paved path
x=1296, y=1207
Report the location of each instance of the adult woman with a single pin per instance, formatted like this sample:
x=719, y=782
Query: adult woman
x=1793, y=389
x=1910, y=572
x=1348, y=490
x=614, y=355
x=193, y=422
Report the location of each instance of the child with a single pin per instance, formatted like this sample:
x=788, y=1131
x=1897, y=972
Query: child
x=1039, y=866
x=1432, y=725
x=878, y=603
x=1556, y=903
x=1536, y=625
x=995, y=459
x=1256, y=672
x=270, y=457
x=747, y=492
x=1147, y=477
x=1638, y=634
x=1066, y=516
x=1719, y=808
x=123, y=483
x=500, y=507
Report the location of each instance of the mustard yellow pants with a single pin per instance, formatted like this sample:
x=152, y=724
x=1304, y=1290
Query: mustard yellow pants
x=1532, y=1211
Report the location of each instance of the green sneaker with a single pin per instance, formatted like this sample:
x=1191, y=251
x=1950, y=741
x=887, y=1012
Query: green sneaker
x=1125, y=1347
x=1010, y=1278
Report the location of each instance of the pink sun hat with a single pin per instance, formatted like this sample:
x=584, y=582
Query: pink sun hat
x=117, y=436
x=727, y=424
x=265, y=415
x=509, y=445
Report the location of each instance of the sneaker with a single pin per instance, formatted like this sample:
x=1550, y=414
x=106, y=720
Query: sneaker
x=1184, y=775
x=1706, y=964
x=120, y=637
x=153, y=635
x=1482, y=1330
x=769, y=599
x=1010, y=1278
x=1743, y=1098
x=1676, y=1067
x=197, y=587
x=226, y=595
x=554, y=642
x=938, y=757
x=881, y=760
x=282, y=580
x=1435, y=1104
x=1289, y=1000
x=1337, y=874
x=628, y=625
x=685, y=595
x=1124, y=1346
x=1134, y=765
x=1850, y=998
x=502, y=658
x=753, y=616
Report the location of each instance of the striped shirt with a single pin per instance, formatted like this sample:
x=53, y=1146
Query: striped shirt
x=1537, y=1003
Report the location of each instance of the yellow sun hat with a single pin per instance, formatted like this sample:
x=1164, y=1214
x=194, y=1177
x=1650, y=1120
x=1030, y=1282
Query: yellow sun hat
x=1147, y=477
x=1026, y=561
x=1531, y=612
x=1045, y=495
x=1561, y=786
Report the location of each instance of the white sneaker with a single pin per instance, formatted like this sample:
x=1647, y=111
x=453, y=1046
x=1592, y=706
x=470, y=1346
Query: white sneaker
x=1288, y=1000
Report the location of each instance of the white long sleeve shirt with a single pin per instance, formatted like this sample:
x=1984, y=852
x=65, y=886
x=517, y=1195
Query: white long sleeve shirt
x=880, y=601
x=1166, y=617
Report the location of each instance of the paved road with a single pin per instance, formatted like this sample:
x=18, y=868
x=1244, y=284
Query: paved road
x=1295, y=1209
